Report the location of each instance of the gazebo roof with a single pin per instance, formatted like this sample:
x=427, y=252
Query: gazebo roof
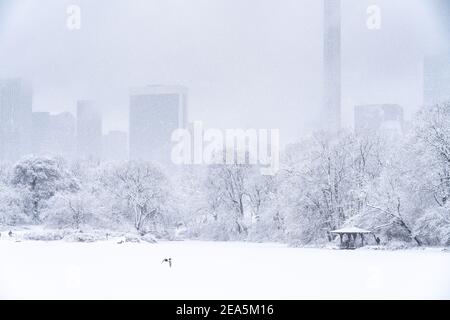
x=351, y=230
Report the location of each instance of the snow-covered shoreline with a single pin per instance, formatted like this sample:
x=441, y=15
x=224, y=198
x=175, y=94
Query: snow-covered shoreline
x=40, y=234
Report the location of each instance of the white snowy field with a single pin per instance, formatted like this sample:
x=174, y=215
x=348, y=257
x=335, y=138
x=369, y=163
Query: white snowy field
x=217, y=270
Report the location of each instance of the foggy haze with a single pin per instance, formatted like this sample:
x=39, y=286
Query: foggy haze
x=251, y=63
x=224, y=149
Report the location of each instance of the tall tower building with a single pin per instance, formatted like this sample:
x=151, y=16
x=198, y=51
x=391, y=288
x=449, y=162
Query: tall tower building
x=155, y=112
x=15, y=119
x=89, y=131
x=332, y=65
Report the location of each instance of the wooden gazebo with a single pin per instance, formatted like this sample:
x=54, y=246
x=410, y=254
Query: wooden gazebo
x=352, y=234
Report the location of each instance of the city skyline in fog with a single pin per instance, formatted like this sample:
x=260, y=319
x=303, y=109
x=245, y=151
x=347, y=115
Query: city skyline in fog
x=247, y=64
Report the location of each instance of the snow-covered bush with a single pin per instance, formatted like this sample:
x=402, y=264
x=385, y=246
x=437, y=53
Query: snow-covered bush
x=74, y=210
x=434, y=227
x=148, y=238
x=12, y=210
x=83, y=237
x=44, y=235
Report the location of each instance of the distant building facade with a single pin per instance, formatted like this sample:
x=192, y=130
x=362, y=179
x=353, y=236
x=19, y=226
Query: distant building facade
x=332, y=65
x=15, y=119
x=63, y=135
x=436, y=78
x=41, y=133
x=115, y=146
x=155, y=112
x=89, y=131
x=54, y=135
x=385, y=118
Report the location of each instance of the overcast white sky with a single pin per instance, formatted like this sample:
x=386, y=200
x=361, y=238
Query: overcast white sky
x=247, y=63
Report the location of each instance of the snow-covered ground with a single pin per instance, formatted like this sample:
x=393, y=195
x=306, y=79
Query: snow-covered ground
x=216, y=270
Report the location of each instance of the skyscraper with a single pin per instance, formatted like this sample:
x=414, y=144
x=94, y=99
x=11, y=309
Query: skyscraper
x=40, y=139
x=332, y=65
x=53, y=135
x=15, y=119
x=63, y=135
x=436, y=79
x=155, y=112
x=89, y=131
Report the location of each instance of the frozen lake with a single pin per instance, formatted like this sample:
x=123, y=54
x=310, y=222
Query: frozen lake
x=217, y=270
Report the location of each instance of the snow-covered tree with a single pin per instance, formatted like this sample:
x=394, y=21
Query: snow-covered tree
x=192, y=207
x=390, y=208
x=228, y=193
x=324, y=182
x=145, y=189
x=41, y=178
x=432, y=151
